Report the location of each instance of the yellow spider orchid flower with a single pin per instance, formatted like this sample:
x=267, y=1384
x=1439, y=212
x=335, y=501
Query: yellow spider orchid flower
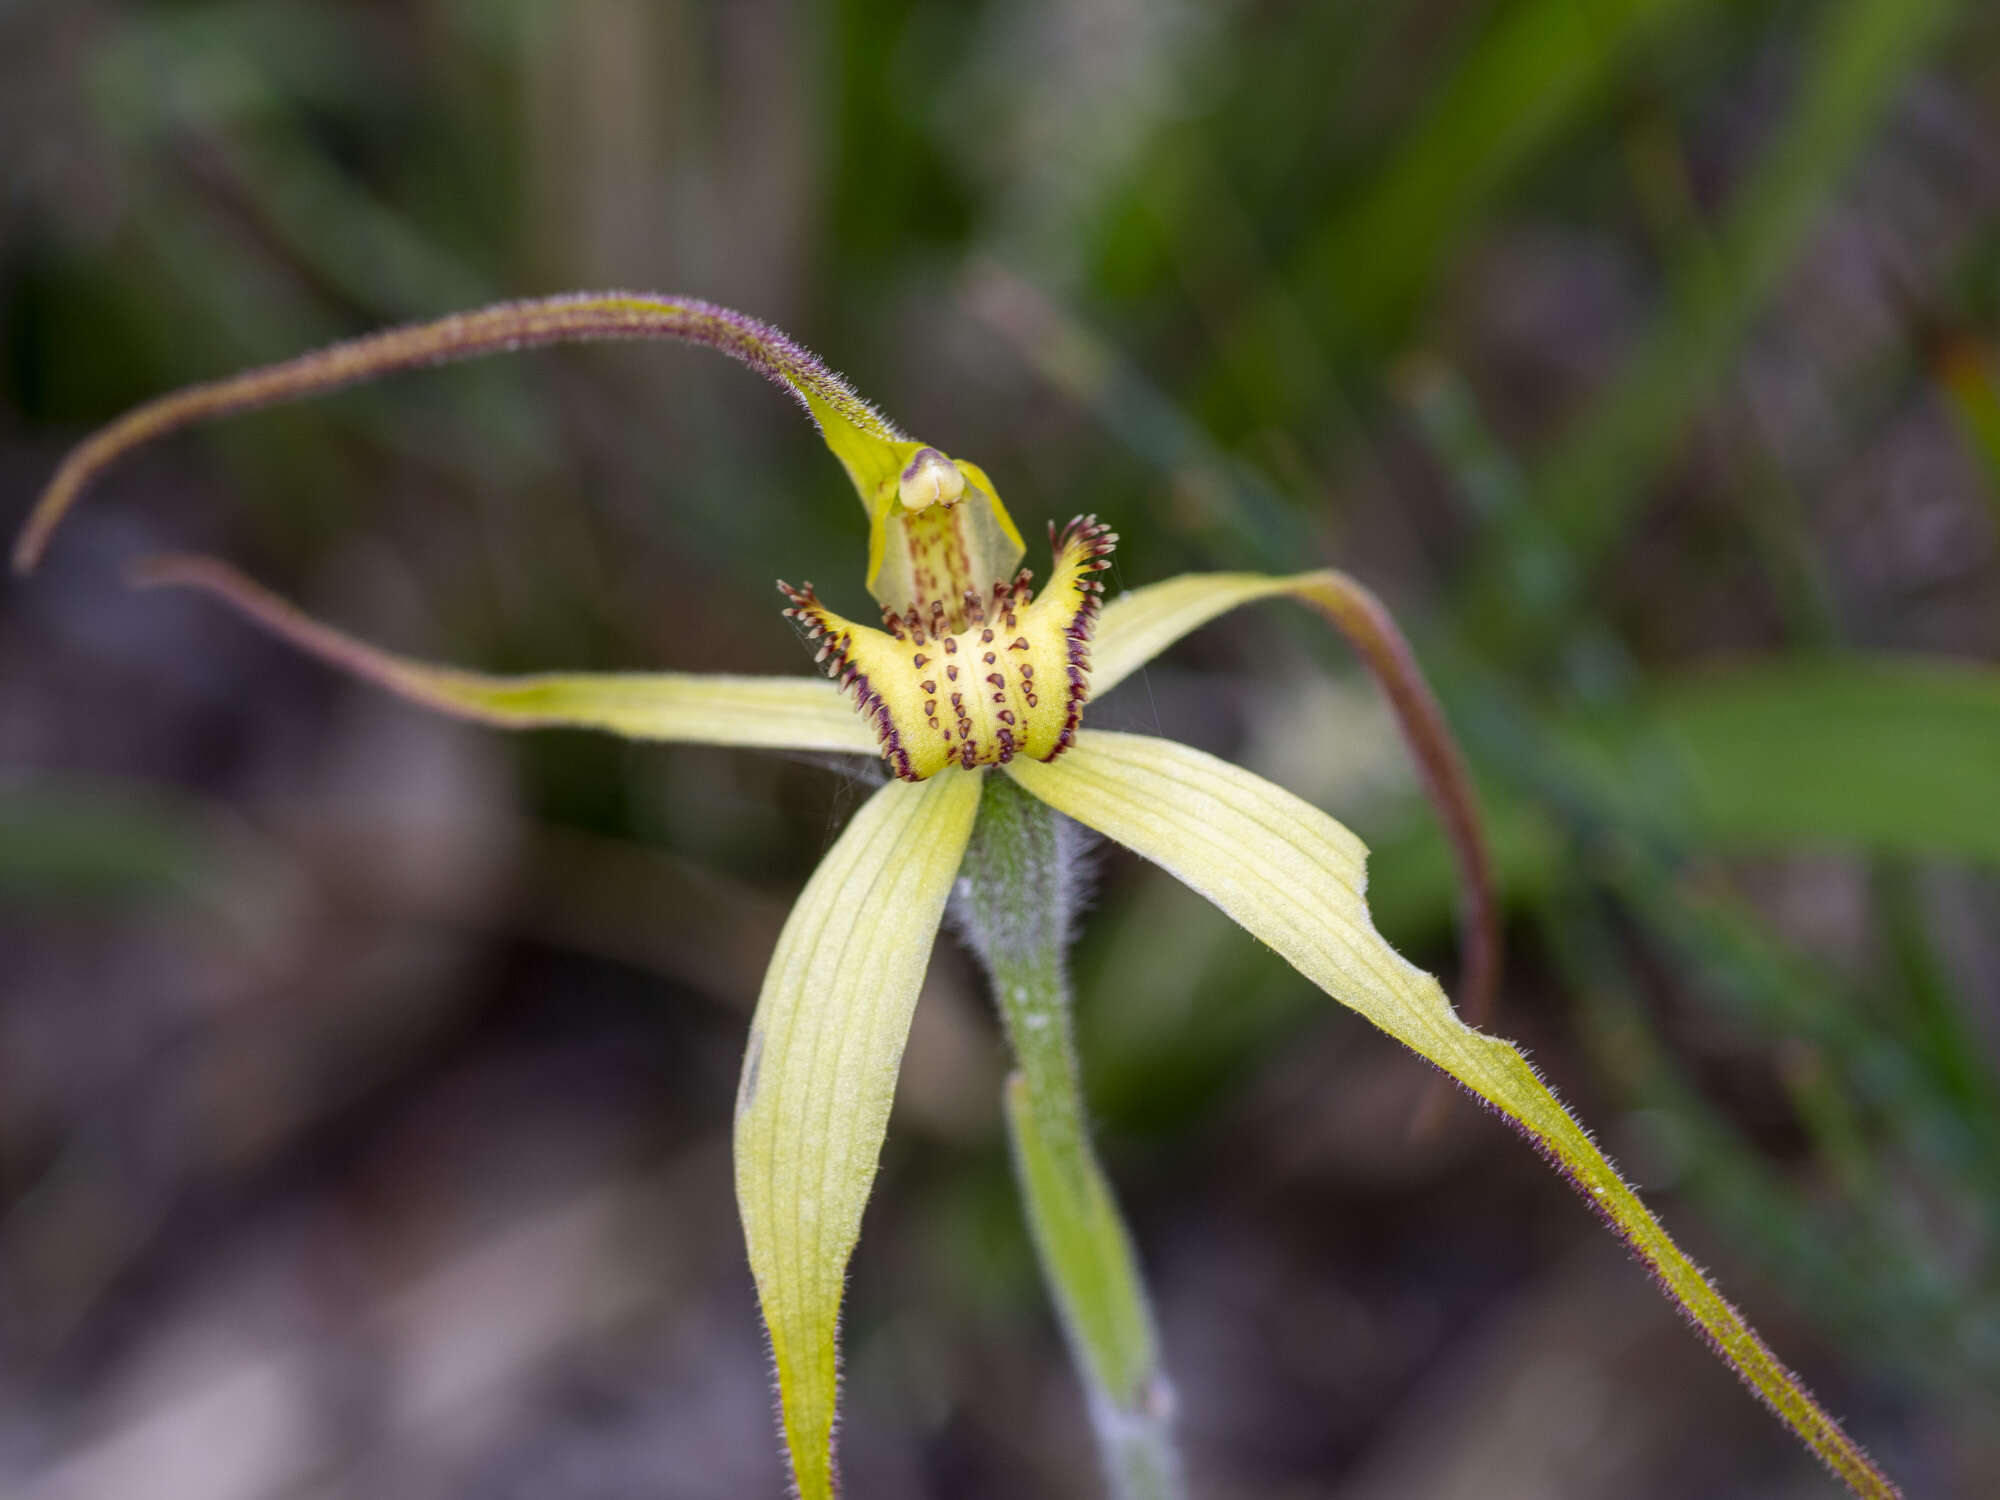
x=973, y=676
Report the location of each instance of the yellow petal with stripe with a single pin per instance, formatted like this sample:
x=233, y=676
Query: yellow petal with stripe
x=1295, y=878
x=791, y=713
x=820, y=1074
x=1137, y=626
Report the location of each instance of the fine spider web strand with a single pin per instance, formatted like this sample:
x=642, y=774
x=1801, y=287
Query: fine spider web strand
x=1144, y=673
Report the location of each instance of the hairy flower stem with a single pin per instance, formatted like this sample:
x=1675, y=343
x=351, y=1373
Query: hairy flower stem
x=1018, y=888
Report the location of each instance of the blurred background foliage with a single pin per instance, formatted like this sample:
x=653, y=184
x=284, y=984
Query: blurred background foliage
x=364, y=1080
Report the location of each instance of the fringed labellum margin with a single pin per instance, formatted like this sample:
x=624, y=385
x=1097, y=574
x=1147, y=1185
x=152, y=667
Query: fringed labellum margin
x=973, y=670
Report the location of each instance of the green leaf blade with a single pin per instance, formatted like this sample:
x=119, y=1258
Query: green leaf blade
x=1892, y=754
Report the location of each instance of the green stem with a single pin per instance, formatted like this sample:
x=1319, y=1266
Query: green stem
x=1020, y=883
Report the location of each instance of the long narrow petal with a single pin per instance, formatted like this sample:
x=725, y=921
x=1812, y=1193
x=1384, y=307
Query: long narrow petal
x=868, y=446
x=1294, y=877
x=820, y=1073
x=1139, y=625
x=793, y=713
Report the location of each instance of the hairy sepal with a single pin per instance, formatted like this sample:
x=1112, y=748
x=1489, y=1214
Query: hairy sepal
x=1139, y=625
x=819, y=1076
x=1295, y=878
x=789, y=713
x=866, y=443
